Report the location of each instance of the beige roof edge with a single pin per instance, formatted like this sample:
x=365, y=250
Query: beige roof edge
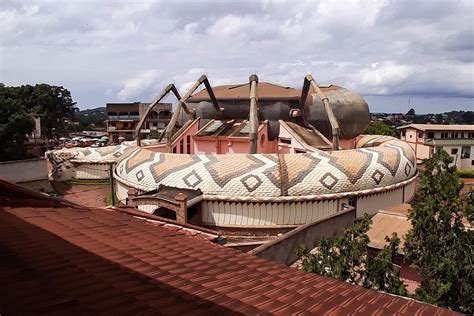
x=439, y=127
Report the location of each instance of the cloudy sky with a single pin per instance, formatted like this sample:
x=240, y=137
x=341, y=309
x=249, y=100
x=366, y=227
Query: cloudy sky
x=394, y=53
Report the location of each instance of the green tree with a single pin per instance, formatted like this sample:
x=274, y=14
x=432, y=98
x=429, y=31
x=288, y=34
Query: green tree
x=380, y=128
x=15, y=124
x=346, y=258
x=54, y=103
x=17, y=104
x=438, y=245
x=468, y=117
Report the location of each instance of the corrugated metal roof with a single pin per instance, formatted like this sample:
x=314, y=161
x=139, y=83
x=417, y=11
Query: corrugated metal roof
x=69, y=259
x=245, y=129
x=308, y=136
x=213, y=126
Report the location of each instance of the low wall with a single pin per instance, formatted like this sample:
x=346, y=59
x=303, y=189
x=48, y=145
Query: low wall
x=29, y=173
x=24, y=170
x=283, y=249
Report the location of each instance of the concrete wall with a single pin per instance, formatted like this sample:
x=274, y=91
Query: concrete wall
x=29, y=173
x=24, y=170
x=372, y=203
x=283, y=249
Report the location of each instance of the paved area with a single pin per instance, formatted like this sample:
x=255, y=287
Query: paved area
x=85, y=194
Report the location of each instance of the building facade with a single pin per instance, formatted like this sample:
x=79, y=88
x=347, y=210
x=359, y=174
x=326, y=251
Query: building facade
x=122, y=120
x=427, y=139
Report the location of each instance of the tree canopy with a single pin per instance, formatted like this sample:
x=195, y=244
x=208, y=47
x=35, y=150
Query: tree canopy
x=380, y=128
x=346, y=258
x=17, y=106
x=438, y=245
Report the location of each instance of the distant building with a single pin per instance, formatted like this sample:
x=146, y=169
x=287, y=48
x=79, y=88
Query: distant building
x=427, y=139
x=122, y=119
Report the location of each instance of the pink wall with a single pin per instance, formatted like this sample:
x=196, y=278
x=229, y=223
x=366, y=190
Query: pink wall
x=224, y=144
x=284, y=148
x=159, y=148
x=264, y=146
x=234, y=145
x=347, y=143
x=238, y=146
x=205, y=146
x=191, y=130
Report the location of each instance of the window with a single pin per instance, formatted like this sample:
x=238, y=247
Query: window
x=181, y=146
x=188, y=144
x=465, y=152
x=165, y=212
x=283, y=140
x=300, y=151
x=262, y=139
x=472, y=162
x=174, y=150
x=421, y=135
x=454, y=151
x=430, y=135
x=438, y=149
x=353, y=201
x=404, y=133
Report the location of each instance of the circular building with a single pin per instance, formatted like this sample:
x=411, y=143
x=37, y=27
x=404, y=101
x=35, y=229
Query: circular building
x=268, y=190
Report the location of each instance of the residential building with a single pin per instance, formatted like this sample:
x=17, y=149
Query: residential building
x=122, y=119
x=427, y=139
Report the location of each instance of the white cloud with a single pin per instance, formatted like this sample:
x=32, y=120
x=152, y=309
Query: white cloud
x=137, y=85
x=379, y=78
x=373, y=47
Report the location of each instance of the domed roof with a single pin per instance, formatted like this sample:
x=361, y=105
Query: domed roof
x=273, y=176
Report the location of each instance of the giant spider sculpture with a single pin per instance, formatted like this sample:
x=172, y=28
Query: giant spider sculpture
x=332, y=110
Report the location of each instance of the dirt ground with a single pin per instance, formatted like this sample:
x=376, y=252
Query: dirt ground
x=85, y=194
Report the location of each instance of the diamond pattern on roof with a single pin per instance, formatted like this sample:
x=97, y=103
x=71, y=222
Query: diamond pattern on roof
x=228, y=167
x=192, y=179
x=328, y=180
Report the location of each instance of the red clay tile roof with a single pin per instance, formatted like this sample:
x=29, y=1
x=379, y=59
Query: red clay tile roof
x=71, y=260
